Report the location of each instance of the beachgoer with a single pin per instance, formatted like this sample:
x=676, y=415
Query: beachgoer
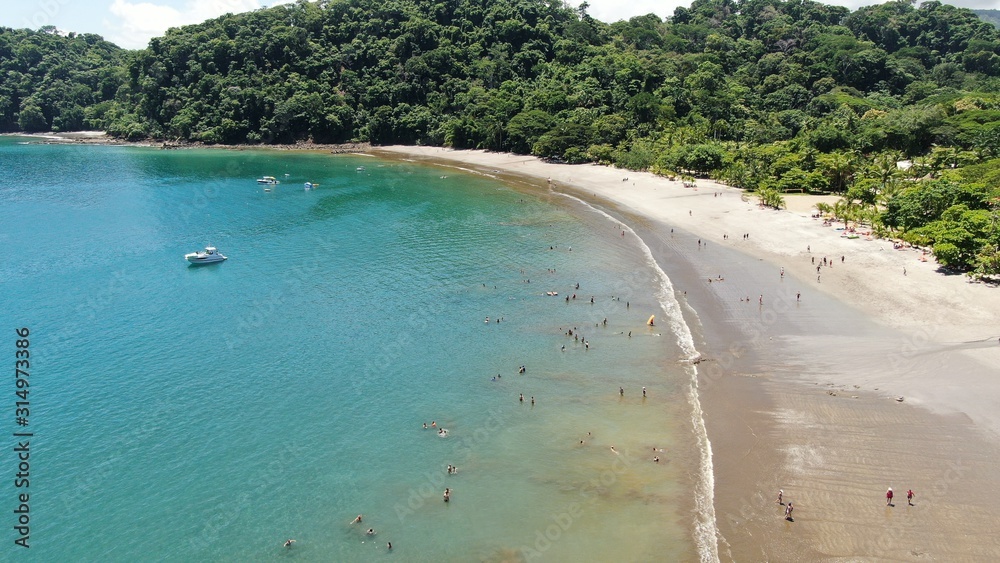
x=388, y=545
x=643, y=391
x=797, y=296
x=904, y=271
x=656, y=459
x=888, y=497
x=842, y=259
x=621, y=391
x=434, y=424
x=788, y=512
x=357, y=520
x=370, y=532
x=447, y=495
x=522, y=397
x=289, y=542
x=780, y=494
x=425, y=426
x=532, y=399
x=909, y=497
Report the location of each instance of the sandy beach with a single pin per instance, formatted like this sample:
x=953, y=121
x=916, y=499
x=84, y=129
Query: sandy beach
x=876, y=371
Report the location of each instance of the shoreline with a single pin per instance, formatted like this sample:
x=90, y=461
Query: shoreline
x=803, y=396
x=792, y=390
x=102, y=138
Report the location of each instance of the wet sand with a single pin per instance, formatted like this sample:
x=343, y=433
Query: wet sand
x=800, y=393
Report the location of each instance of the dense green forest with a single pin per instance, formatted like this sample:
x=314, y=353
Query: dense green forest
x=51, y=82
x=768, y=95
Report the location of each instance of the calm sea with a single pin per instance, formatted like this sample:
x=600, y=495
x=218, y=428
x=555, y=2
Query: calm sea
x=210, y=413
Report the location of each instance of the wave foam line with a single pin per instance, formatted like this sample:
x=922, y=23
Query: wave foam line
x=706, y=530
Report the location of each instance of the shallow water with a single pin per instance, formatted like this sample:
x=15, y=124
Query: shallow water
x=212, y=412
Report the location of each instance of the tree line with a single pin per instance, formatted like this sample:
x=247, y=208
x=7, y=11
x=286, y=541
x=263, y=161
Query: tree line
x=768, y=95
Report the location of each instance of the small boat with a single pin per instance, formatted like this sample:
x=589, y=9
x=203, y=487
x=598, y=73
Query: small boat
x=360, y=169
x=210, y=255
x=267, y=180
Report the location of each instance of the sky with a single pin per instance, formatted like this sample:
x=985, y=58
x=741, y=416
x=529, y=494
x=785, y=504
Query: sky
x=131, y=23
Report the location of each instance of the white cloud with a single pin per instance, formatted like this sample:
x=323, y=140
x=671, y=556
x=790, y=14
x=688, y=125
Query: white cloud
x=135, y=23
x=610, y=11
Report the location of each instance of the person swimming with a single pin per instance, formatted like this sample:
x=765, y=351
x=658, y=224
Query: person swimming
x=357, y=520
x=289, y=542
x=370, y=532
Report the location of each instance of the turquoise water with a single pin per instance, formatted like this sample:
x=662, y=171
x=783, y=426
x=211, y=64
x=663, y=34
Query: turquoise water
x=209, y=413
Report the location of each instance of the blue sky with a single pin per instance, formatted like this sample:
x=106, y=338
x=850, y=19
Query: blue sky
x=131, y=23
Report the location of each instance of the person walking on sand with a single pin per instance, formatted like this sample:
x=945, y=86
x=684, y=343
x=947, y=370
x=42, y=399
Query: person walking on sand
x=788, y=512
x=888, y=497
x=780, y=494
x=909, y=497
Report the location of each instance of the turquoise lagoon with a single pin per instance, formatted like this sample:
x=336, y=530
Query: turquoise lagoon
x=186, y=413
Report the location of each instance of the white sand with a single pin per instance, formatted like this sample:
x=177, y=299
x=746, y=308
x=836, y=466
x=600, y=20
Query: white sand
x=941, y=313
x=835, y=441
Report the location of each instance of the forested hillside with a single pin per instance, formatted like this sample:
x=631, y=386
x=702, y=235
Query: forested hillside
x=49, y=82
x=768, y=95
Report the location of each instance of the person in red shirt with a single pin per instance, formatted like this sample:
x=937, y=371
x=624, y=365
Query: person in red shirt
x=909, y=497
x=888, y=497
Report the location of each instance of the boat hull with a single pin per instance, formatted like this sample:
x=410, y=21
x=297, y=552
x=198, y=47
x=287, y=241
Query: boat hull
x=202, y=260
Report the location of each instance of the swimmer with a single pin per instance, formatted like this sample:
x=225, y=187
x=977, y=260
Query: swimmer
x=447, y=495
x=613, y=450
x=532, y=400
x=425, y=426
x=656, y=459
x=621, y=391
x=388, y=545
x=370, y=532
x=434, y=424
x=357, y=520
x=288, y=543
x=643, y=391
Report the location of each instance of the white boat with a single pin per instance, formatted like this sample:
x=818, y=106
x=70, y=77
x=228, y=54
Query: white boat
x=360, y=168
x=210, y=255
x=267, y=180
